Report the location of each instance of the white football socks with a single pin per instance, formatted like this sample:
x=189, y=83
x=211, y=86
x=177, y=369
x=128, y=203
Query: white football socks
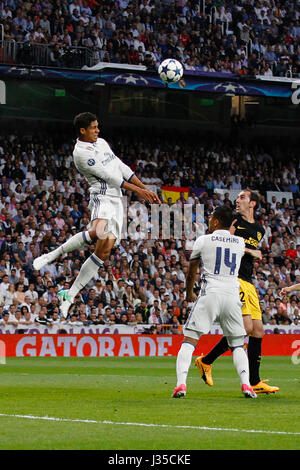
x=88, y=270
x=241, y=363
x=183, y=362
x=74, y=243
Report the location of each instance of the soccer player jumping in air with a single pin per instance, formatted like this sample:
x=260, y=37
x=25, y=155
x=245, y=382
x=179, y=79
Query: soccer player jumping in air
x=220, y=255
x=247, y=227
x=106, y=175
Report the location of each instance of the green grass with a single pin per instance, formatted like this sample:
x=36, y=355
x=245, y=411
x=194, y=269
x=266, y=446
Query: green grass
x=138, y=390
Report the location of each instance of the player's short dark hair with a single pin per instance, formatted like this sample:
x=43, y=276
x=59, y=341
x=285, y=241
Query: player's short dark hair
x=83, y=120
x=254, y=196
x=224, y=215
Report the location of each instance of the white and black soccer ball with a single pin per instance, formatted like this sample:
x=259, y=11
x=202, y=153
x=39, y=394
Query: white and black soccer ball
x=170, y=70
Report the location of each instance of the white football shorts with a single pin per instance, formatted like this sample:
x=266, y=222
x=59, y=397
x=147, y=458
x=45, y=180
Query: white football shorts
x=111, y=209
x=221, y=307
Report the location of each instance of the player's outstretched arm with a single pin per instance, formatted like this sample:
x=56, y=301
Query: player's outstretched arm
x=143, y=193
x=137, y=182
x=132, y=179
x=287, y=290
x=255, y=253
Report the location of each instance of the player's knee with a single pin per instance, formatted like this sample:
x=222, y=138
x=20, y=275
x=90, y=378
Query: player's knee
x=258, y=332
x=103, y=253
x=248, y=324
x=192, y=341
x=93, y=234
x=97, y=230
x=249, y=330
x=232, y=348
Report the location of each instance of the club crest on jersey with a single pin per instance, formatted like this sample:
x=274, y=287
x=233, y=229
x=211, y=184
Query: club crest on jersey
x=91, y=162
x=259, y=235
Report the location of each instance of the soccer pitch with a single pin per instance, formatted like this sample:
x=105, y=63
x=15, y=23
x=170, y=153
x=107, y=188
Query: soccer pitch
x=125, y=404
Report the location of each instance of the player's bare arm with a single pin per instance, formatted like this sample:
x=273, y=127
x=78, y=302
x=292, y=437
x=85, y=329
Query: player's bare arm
x=190, y=280
x=145, y=194
x=137, y=182
x=287, y=290
x=255, y=253
x=232, y=228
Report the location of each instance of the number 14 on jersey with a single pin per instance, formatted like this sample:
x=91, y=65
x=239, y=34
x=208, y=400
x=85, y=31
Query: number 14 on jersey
x=225, y=257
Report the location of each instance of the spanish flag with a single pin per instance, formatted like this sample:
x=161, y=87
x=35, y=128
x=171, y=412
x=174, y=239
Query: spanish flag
x=173, y=192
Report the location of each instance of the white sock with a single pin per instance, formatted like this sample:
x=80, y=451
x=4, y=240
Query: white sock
x=240, y=361
x=75, y=242
x=88, y=270
x=183, y=362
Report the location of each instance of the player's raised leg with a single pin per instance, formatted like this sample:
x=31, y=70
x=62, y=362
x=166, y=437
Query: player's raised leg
x=76, y=242
x=90, y=267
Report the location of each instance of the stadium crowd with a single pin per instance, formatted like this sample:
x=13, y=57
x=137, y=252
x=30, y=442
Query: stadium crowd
x=255, y=37
x=44, y=200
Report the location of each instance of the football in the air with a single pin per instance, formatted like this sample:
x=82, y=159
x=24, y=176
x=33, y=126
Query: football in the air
x=170, y=70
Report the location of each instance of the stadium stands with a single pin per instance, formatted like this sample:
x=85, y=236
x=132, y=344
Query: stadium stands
x=44, y=200
x=244, y=37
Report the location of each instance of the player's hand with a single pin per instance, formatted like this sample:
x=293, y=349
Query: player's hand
x=232, y=227
x=149, y=196
x=155, y=198
x=284, y=290
x=191, y=298
x=257, y=254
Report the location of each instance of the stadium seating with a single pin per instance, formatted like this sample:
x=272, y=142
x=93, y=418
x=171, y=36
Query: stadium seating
x=260, y=38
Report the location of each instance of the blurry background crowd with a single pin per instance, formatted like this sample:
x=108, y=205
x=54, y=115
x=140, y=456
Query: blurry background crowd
x=255, y=37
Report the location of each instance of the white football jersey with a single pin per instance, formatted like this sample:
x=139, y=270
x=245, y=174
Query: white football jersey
x=220, y=255
x=104, y=172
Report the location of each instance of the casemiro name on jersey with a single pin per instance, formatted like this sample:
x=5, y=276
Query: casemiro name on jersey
x=224, y=239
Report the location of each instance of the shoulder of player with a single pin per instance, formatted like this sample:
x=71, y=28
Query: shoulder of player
x=103, y=144
x=199, y=241
x=82, y=148
x=237, y=220
x=101, y=141
x=240, y=221
x=204, y=237
x=258, y=227
x=80, y=145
